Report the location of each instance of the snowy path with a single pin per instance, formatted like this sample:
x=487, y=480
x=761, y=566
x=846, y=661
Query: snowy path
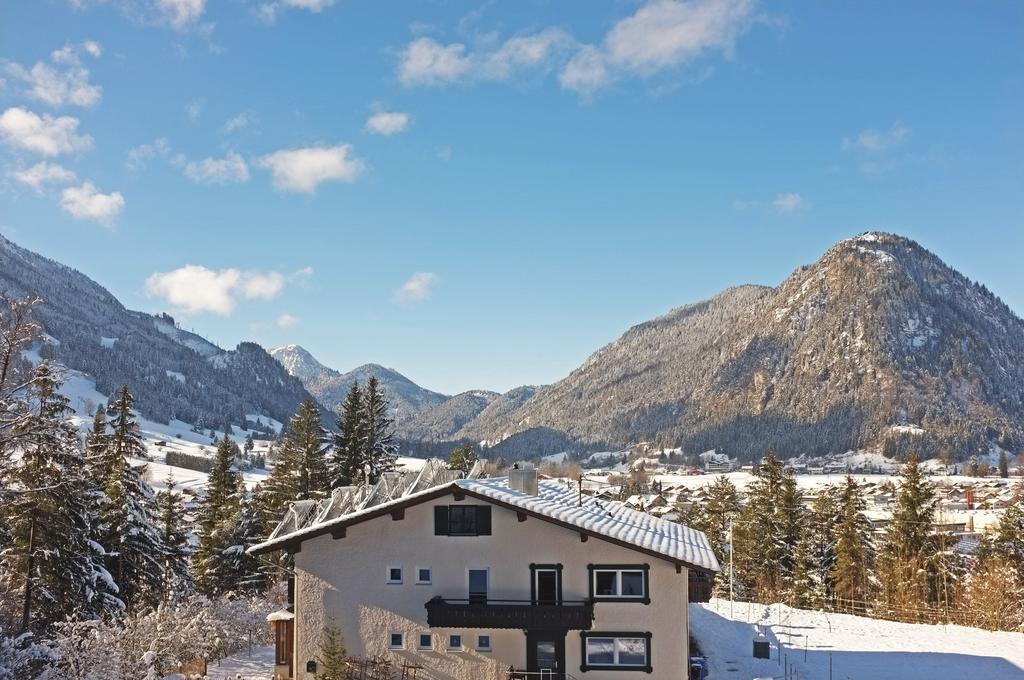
x=858, y=648
x=258, y=667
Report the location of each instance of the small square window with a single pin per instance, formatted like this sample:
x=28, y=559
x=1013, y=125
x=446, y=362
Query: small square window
x=394, y=574
x=397, y=641
x=423, y=576
x=454, y=642
x=426, y=641
x=483, y=643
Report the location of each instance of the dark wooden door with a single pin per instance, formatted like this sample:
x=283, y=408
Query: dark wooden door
x=545, y=654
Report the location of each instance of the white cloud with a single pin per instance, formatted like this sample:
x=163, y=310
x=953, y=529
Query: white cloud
x=427, y=62
x=305, y=169
x=197, y=289
x=43, y=173
x=418, y=287
x=193, y=110
x=787, y=204
x=63, y=81
x=387, y=123
x=875, y=141
x=181, y=13
x=267, y=12
x=139, y=156
x=85, y=202
x=286, y=320
x=239, y=122
x=45, y=135
x=527, y=51
x=586, y=71
x=231, y=169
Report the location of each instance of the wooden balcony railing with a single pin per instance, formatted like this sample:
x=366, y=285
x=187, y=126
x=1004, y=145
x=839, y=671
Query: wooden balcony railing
x=518, y=614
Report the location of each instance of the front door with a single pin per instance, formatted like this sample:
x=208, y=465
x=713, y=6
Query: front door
x=545, y=654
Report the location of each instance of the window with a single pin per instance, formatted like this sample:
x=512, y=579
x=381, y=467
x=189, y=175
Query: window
x=455, y=642
x=394, y=575
x=483, y=643
x=396, y=641
x=478, y=585
x=619, y=582
x=462, y=520
x=616, y=651
x=423, y=576
x=546, y=583
x=426, y=641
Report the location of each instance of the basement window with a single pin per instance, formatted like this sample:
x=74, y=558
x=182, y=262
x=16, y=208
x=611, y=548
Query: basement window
x=394, y=575
x=396, y=641
x=423, y=576
x=426, y=641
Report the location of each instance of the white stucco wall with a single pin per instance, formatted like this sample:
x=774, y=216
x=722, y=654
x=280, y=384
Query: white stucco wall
x=345, y=580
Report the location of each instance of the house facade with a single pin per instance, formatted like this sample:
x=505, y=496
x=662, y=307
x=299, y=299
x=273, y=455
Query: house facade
x=474, y=577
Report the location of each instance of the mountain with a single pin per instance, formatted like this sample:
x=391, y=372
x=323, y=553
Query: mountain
x=444, y=421
x=329, y=386
x=173, y=374
x=878, y=344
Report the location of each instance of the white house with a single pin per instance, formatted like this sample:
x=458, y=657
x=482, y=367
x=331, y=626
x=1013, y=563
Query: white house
x=473, y=578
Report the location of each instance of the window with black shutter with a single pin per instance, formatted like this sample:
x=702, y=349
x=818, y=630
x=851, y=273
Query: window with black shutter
x=462, y=520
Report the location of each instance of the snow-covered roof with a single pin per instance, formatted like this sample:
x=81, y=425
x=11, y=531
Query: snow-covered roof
x=555, y=501
x=280, y=615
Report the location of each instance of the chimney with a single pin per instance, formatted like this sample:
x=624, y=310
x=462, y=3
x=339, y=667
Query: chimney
x=523, y=478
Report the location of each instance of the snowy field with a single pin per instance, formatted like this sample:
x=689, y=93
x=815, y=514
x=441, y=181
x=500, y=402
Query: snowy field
x=857, y=648
x=259, y=666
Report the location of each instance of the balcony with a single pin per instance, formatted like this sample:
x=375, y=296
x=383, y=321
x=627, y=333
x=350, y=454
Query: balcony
x=518, y=614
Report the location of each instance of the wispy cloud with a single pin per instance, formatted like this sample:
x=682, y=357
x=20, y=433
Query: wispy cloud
x=418, y=287
x=63, y=80
x=877, y=141
x=42, y=174
x=196, y=289
x=661, y=35
x=789, y=203
x=286, y=320
x=139, y=156
x=236, y=123
x=387, y=123
x=42, y=134
x=268, y=11
x=305, y=169
x=86, y=202
x=194, y=110
x=232, y=169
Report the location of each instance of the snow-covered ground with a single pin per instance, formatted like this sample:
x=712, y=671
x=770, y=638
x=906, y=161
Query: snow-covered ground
x=259, y=666
x=855, y=647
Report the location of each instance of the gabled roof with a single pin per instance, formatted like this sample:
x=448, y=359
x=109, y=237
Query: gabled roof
x=555, y=502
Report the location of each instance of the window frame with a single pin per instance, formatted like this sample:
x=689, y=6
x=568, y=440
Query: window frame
x=419, y=642
x=481, y=514
x=534, y=569
x=490, y=642
x=391, y=640
x=430, y=576
x=586, y=635
x=461, y=646
x=469, y=593
x=645, y=569
x=401, y=575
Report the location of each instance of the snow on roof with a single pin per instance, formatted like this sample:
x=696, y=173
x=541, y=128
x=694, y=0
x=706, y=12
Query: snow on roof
x=557, y=502
x=280, y=615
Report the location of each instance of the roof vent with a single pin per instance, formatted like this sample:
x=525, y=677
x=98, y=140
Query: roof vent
x=523, y=478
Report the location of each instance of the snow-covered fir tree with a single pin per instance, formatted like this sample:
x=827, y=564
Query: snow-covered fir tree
x=381, y=450
x=52, y=568
x=301, y=470
x=218, y=508
x=758, y=534
x=130, y=532
x=720, y=507
x=821, y=525
x=171, y=517
x=346, y=464
x=854, y=551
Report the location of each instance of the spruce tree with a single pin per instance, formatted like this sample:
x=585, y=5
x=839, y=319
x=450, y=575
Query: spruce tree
x=333, y=656
x=903, y=561
x=218, y=508
x=790, y=522
x=853, y=549
x=713, y=517
x=301, y=471
x=758, y=534
x=171, y=516
x=380, y=448
x=821, y=529
x=346, y=465
x=53, y=562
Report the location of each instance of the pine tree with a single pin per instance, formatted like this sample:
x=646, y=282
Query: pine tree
x=1008, y=542
x=231, y=569
x=802, y=588
x=790, y=523
x=53, y=562
x=759, y=553
x=96, y=444
x=347, y=458
x=853, y=549
x=333, y=656
x=713, y=517
x=821, y=529
x=381, y=450
x=301, y=471
x=217, y=509
x=903, y=560
x=171, y=516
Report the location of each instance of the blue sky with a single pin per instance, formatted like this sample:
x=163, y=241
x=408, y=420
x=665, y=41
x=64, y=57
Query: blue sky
x=481, y=194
